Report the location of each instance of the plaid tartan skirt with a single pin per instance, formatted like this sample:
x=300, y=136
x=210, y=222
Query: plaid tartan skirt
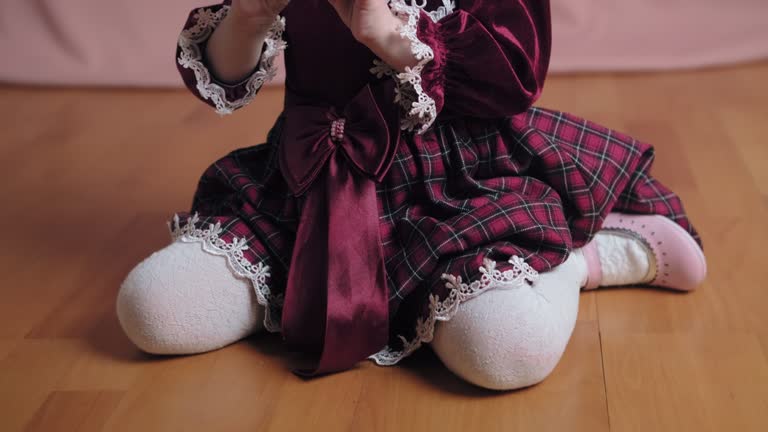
x=470, y=205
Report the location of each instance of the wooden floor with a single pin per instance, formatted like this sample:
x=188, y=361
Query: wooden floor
x=89, y=178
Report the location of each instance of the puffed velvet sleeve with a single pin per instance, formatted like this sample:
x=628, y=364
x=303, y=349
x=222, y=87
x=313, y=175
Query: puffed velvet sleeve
x=194, y=67
x=477, y=58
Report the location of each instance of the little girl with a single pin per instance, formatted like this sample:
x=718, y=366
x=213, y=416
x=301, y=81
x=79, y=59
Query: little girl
x=407, y=194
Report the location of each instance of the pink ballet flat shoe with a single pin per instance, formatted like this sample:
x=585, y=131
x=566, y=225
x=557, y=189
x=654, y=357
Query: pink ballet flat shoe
x=678, y=262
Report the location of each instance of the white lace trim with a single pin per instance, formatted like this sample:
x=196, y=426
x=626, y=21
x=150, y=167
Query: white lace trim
x=518, y=276
x=191, y=58
x=491, y=278
x=420, y=109
x=448, y=7
x=212, y=243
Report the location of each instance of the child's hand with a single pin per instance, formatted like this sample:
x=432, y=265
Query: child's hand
x=235, y=47
x=370, y=21
x=373, y=24
x=258, y=10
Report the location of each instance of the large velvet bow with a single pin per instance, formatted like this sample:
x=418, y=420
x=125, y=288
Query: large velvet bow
x=336, y=300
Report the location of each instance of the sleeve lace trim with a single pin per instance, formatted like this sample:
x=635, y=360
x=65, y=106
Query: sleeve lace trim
x=420, y=109
x=191, y=57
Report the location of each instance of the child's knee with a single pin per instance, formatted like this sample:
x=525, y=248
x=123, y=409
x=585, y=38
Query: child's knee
x=507, y=370
x=145, y=304
x=503, y=340
x=183, y=300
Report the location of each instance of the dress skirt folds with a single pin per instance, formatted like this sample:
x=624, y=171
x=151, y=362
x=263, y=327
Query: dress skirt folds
x=383, y=200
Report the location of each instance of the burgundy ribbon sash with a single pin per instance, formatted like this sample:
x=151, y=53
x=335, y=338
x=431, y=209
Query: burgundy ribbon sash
x=336, y=301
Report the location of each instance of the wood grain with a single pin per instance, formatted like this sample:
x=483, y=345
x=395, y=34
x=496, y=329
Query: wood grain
x=74, y=411
x=704, y=381
x=90, y=177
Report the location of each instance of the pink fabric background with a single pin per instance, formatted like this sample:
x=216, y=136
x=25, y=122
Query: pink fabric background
x=131, y=43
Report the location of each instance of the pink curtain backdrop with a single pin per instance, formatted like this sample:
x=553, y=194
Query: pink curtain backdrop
x=132, y=43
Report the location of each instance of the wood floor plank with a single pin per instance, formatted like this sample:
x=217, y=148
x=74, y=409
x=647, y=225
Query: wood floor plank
x=333, y=410
x=32, y=289
x=168, y=392
x=46, y=260
x=97, y=284
x=576, y=388
x=713, y=154
x=763, y=336
x=697, y=381
x=6, y=346
x=92, y=175
x=74, y=411
x=242, y=389
x=28, y=374
x=729, y=211
x=587, y=307
x=106, y=360
x=748, y=131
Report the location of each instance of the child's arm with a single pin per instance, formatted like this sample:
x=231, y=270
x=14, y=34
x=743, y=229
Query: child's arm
x=486, y=59
x=235, y=46
x=373, y=24
x=226, y=52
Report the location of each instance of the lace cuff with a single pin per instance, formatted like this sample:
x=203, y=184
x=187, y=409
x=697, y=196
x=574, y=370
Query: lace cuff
x=420, y=109
x=191, y=57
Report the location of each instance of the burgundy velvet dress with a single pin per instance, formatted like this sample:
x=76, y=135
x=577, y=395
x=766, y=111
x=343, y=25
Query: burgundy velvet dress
x=381, y=201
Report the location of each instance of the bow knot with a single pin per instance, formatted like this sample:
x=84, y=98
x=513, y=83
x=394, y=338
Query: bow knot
x=367, y=130
x=336, y=298
x=337, y=130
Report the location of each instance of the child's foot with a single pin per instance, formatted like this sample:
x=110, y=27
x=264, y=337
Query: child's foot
x=644, y=249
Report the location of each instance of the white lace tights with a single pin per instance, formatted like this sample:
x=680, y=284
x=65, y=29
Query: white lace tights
x=183, y=300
